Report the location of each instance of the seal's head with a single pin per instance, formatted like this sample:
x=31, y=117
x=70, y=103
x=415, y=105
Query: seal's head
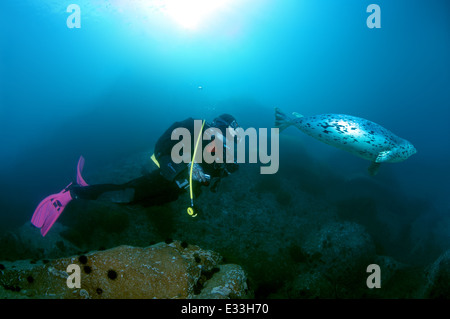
x=410, y=149
x=404, y=151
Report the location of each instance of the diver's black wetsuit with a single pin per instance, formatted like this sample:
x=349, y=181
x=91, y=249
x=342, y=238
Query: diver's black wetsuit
x=150, y=189
x=160, y=186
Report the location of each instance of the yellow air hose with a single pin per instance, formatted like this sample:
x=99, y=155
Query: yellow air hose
x=190, y=209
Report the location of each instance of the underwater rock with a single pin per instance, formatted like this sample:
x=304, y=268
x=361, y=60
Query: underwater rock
x=229, y=282
x=27, y=242
x=340, y=252
x=438, y=276
x=389, y=267
x=158, y=271
x=309, y=285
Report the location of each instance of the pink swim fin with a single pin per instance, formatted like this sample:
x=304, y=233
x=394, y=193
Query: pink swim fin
x=51, y=207
x=80, y=179
x=49, y=210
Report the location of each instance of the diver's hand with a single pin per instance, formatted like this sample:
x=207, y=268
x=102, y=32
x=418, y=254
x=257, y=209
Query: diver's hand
x=198, y=174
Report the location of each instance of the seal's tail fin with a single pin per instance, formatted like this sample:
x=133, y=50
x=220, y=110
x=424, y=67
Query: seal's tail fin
x=282, y=121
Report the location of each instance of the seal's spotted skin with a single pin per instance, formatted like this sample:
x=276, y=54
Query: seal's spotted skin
x=356, y=135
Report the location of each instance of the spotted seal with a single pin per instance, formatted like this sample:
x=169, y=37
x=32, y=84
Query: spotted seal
x=356, y=135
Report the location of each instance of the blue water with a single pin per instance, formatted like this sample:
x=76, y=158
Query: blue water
x=111, y=87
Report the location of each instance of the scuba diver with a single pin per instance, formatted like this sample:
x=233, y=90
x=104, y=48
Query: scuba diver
x=162, y=185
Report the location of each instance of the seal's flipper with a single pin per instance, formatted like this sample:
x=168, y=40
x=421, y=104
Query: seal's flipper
x=373, y=168
x=384, y=156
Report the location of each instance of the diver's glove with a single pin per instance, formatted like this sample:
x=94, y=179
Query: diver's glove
x=198, y=174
